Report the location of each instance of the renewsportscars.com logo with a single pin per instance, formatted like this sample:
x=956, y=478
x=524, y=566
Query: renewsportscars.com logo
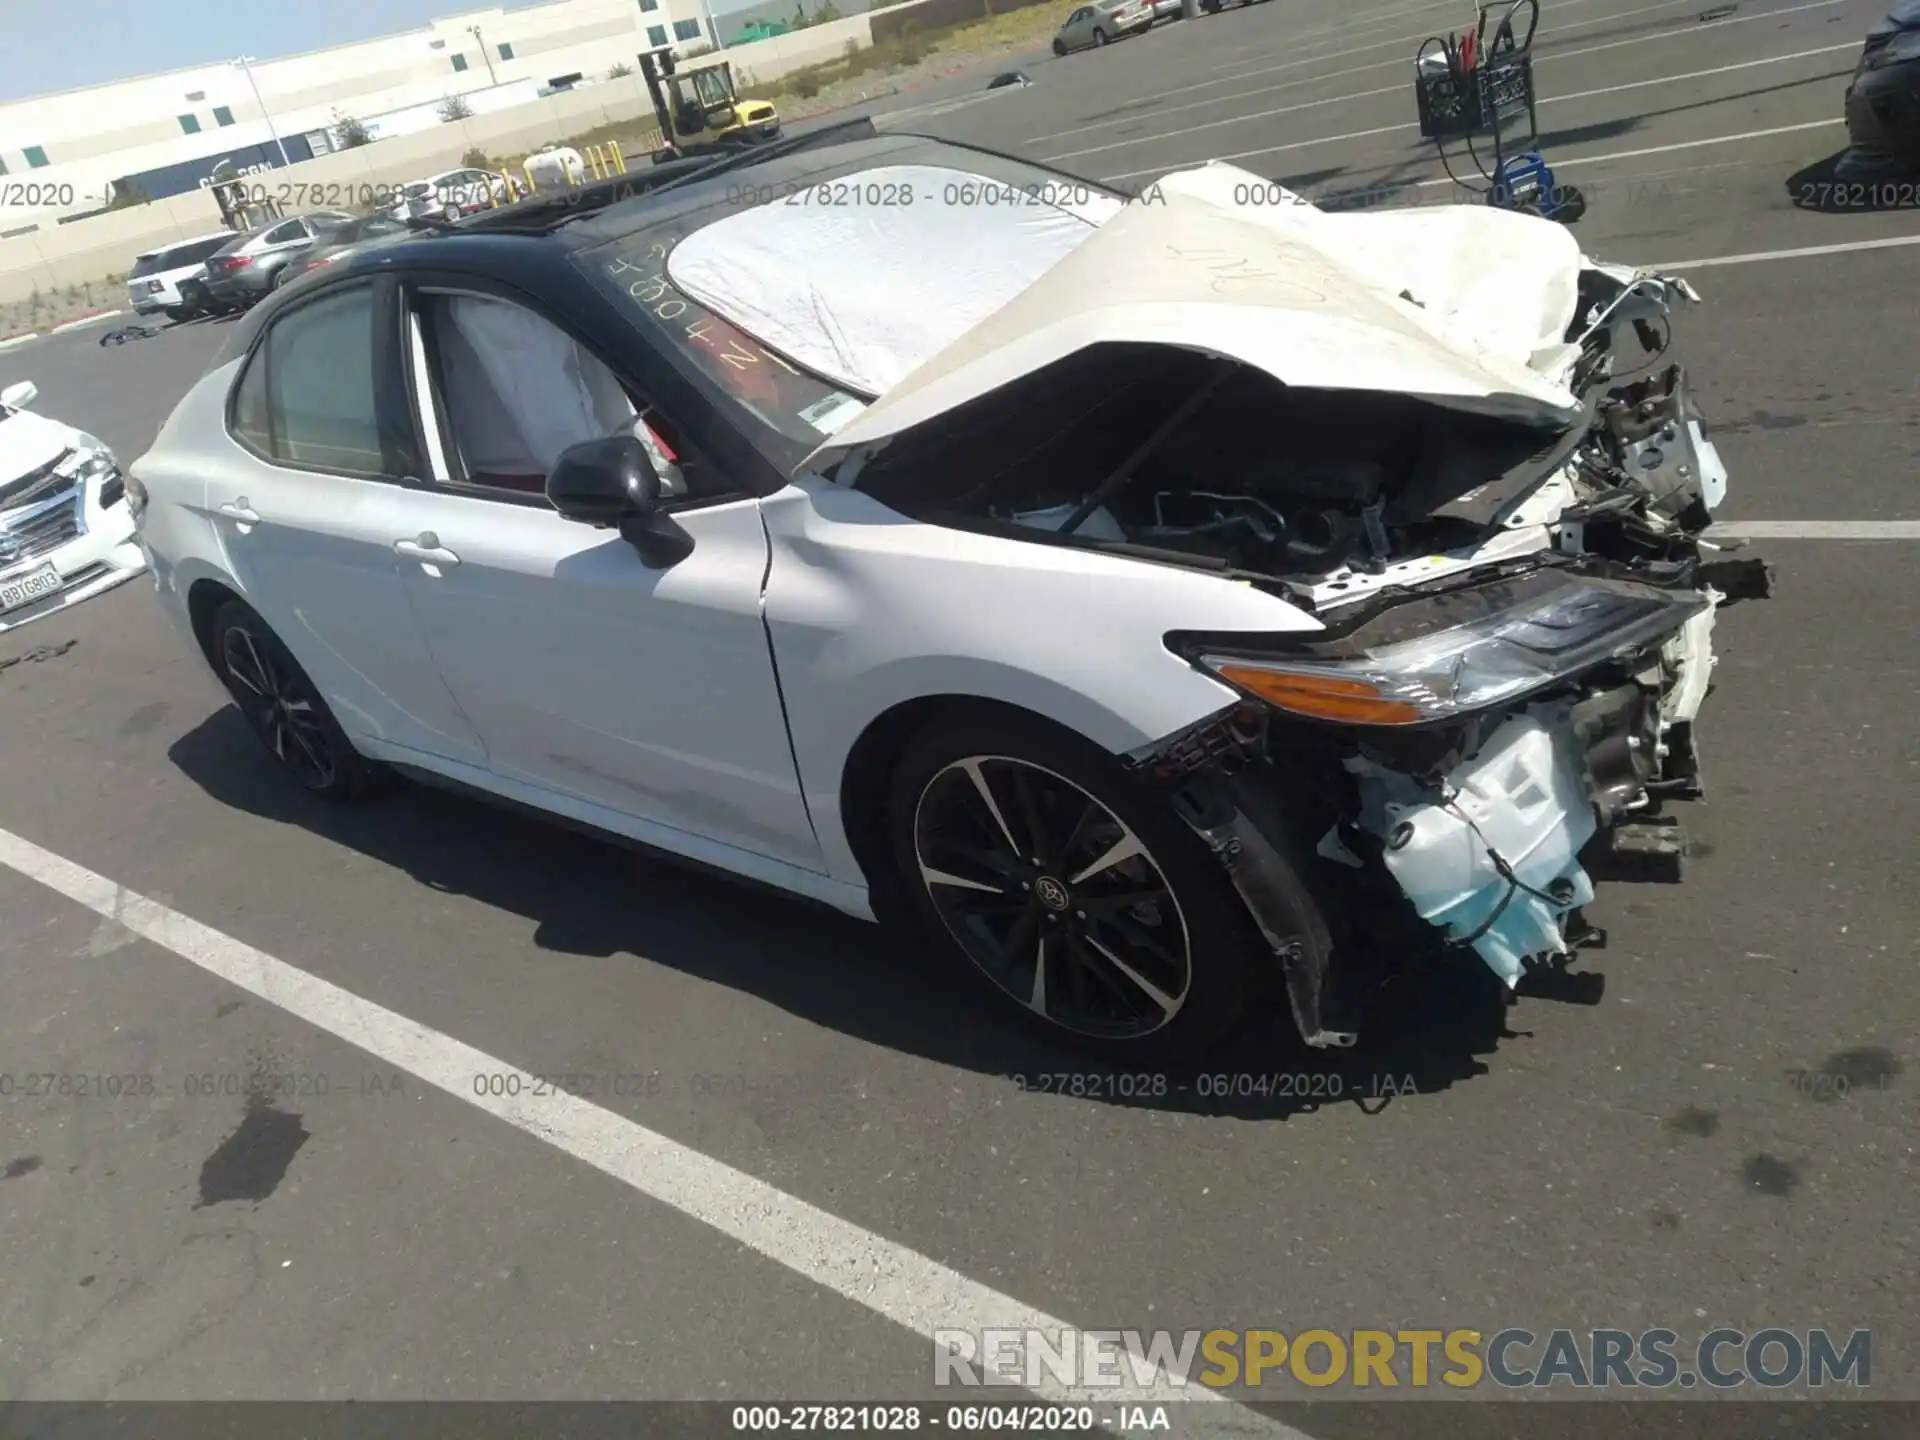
x=1168, y=1360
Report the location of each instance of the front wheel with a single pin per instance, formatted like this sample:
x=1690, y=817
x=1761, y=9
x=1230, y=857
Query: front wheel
x=1068, y=884
x=284, y=708
x=1059, y=47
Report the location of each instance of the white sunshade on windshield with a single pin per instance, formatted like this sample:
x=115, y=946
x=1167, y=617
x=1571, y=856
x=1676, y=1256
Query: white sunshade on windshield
x=864, y=278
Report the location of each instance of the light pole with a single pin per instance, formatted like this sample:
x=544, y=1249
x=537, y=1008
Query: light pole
x=474, y=30
x=245, y=62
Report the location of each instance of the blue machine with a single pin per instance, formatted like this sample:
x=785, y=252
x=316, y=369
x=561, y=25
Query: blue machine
x=1470, y=86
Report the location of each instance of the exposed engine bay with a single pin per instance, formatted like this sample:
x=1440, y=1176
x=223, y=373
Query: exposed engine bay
x=1517, y=617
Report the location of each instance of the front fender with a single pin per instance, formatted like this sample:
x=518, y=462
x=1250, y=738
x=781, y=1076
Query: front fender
x=868, y=610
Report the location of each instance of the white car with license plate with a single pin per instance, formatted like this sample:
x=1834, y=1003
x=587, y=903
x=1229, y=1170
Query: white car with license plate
x=1169, y=599
x=66, y=529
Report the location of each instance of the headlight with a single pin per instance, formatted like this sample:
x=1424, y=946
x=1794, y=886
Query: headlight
x=1521, y=640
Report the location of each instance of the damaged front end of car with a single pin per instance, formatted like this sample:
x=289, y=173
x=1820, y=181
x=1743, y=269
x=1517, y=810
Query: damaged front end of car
x=1434, y=437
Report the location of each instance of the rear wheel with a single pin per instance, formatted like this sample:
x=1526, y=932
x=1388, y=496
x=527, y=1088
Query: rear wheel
x=1059, y=47
x=1099, y=37
x=284, y=708
x=1072, y=888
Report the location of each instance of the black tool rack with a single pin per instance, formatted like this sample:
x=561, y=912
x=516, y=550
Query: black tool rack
x=1459, y=101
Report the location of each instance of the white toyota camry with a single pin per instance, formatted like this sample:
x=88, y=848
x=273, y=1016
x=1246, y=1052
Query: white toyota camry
x=1175, y=600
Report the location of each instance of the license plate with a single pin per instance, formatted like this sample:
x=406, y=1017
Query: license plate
x=27, y=588
x=153, y=287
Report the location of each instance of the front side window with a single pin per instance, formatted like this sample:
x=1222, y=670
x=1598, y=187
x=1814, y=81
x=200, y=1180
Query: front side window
x=307, y=396
x=711, y=87
x=515, y=391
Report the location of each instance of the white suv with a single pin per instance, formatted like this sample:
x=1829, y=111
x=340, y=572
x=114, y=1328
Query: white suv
x=66, y=529
x=155, y=284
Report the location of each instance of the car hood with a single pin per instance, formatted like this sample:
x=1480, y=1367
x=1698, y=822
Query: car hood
x=1461, y=305
x=30, y=442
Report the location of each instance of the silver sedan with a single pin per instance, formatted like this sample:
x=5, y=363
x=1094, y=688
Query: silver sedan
x=1103, y=21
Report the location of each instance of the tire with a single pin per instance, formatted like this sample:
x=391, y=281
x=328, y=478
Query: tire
x=1059, y=47
x=179, y=314
x=1150, y=958
x=273, y=692
x=1099, y=37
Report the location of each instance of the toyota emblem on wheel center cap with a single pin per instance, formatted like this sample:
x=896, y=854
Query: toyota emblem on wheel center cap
x=1051, y=893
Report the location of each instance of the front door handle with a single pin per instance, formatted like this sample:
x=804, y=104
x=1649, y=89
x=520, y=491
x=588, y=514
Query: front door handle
x=427, y=549
x=240, y=510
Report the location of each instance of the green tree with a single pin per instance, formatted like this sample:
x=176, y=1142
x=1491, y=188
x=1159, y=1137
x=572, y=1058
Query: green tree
x=454, y=107
x=619, y=71
x=350, y=133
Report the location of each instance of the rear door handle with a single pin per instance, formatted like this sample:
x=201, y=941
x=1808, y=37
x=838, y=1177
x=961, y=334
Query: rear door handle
x=240, y=510
x=427, y=549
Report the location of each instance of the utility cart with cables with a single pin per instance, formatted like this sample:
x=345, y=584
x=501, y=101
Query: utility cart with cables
x=1471, y=86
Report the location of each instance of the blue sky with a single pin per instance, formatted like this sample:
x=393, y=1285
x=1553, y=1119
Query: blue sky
x=50, y=45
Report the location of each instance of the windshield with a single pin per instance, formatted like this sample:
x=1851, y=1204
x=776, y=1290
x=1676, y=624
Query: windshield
x=795, y=410
x=418, y=189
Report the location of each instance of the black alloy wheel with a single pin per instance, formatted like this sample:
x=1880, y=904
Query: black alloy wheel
x=1073, y=888
x=283, y=708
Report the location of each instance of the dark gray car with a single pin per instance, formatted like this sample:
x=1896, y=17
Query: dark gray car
x=347, y=240
x=250, y=265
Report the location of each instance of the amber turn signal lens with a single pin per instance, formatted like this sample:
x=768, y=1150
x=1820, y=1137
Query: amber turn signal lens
x=1323, y=697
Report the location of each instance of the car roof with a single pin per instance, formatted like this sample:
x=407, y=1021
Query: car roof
x=500, y=240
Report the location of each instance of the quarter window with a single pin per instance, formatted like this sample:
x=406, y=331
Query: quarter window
x=307, y=397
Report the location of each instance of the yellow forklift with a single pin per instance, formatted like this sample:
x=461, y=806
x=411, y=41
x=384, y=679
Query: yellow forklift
x=698, y=110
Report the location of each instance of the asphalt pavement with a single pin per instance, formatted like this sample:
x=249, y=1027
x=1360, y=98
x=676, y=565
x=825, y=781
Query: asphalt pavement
x=282, y=1165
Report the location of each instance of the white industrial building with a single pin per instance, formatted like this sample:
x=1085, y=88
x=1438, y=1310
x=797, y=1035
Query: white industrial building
x=166, y=131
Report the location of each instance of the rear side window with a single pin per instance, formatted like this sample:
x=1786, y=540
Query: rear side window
x=182, y=256
x=307, y=396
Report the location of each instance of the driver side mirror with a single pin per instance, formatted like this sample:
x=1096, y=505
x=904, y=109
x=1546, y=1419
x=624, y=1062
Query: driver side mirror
x=612, y=482
x=19, y=395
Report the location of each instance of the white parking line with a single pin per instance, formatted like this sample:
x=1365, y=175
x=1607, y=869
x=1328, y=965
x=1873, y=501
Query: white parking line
x=1850, y=47
x=1558, y=165
x=1757, y=256
x=1143, y=107
x=894, y=1282
x=1815, y=530
x=1139, y=109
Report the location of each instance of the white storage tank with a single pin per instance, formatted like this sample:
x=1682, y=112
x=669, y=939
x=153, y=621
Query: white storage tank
x=557, y=166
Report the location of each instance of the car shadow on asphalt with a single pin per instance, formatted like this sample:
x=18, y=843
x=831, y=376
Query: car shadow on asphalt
x=1425, y=1032
x=1828, y=189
